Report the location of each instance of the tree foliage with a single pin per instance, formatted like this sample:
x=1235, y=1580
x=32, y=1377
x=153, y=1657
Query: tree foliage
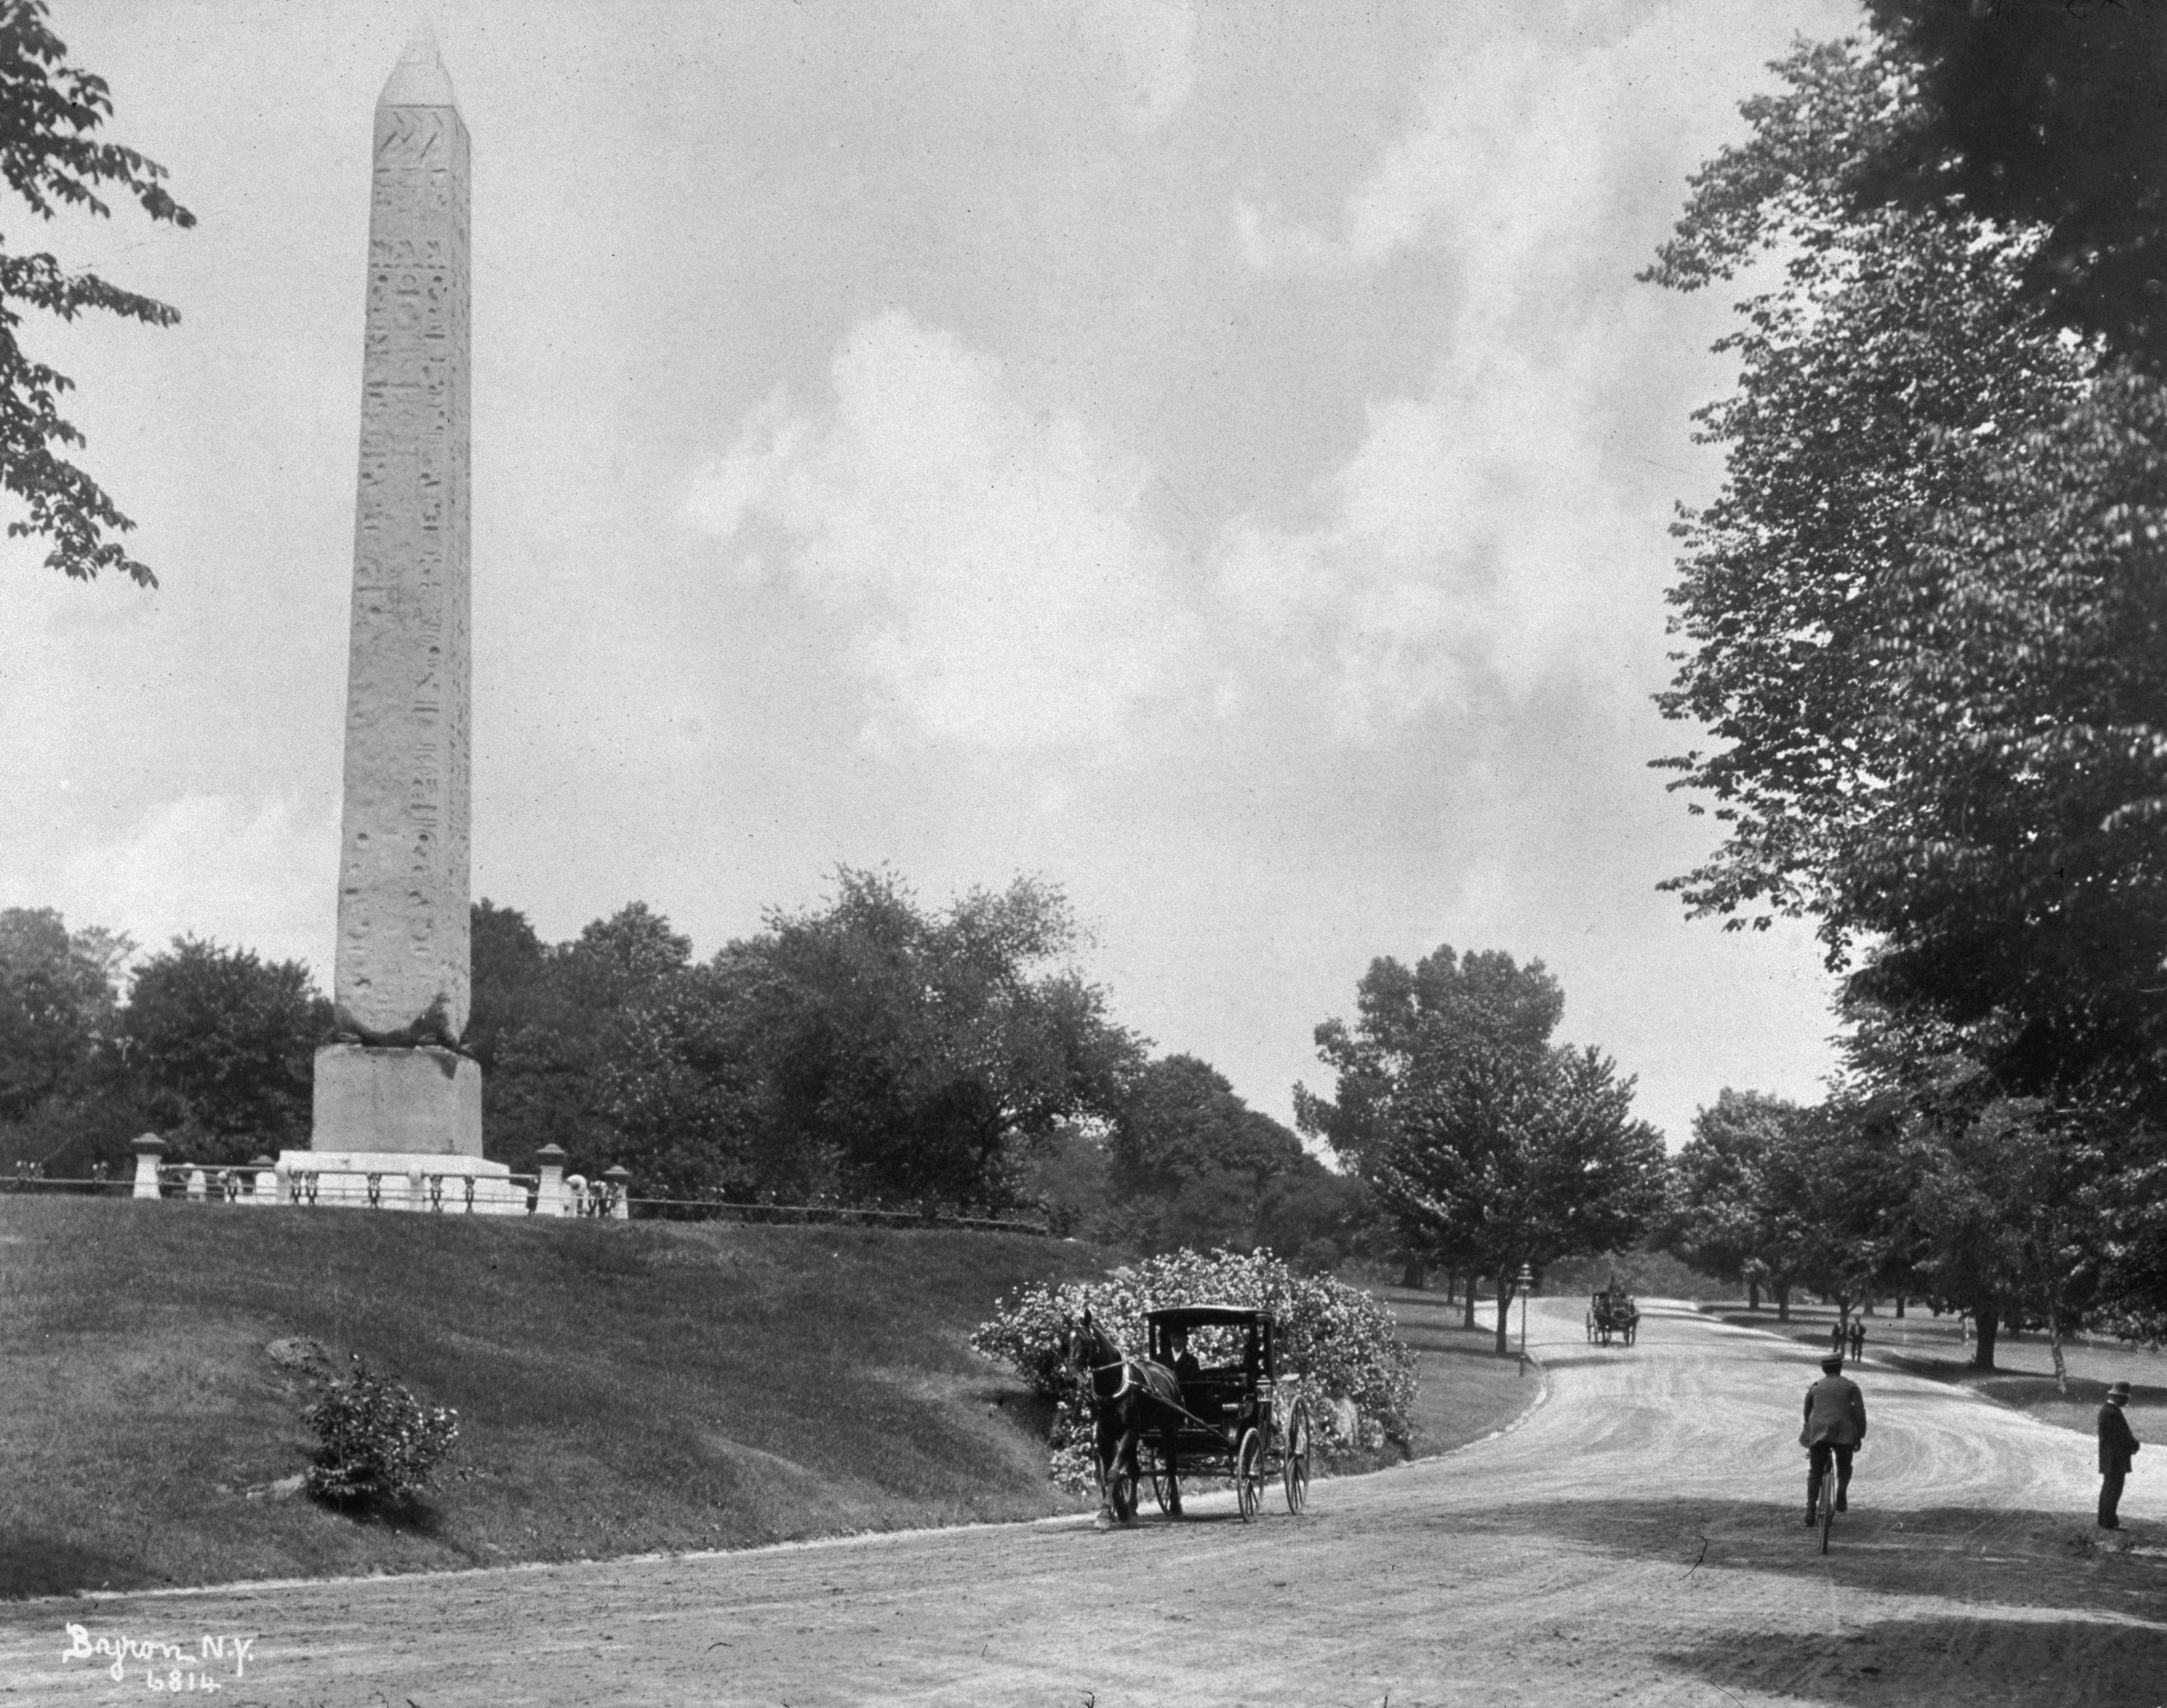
x=1922, y=617
x=50, y=114
x=1489, y=1146
x=2050, y=114
x=868, y=1047
x=221, y=1044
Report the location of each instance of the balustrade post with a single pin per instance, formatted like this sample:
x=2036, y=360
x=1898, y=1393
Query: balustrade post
x=148, y=1150
x=260, y=1167
x=549, y=1198
x=195, y=1185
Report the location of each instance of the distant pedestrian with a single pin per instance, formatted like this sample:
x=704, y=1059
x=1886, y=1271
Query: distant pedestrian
x=1835, y=1338
x=1857, y=1338
x=2116, y=1444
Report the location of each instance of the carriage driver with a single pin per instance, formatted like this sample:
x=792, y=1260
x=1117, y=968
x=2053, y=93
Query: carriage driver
x=1186, y=1369
x=1836, y=1425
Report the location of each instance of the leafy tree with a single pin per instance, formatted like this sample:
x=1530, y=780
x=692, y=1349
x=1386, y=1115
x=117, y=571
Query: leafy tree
x=1720, y=1218
x=2051, y=114
x=223, y=1044
x=58, y=998
x=508, y=962
x=1491, y=1147
x=565, y=1033
x=1189, y=1160
x=1922, y=618
x=923, y=1055
x=61, y=1093
x=50, y=112
x=1412, y=1022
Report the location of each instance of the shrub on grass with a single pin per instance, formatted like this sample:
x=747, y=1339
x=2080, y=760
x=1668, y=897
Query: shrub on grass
x=1334, y=1341
x=380, y=1445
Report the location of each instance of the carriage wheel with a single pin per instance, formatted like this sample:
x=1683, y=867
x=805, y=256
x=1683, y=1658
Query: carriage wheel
x=1295, y=1473
x=1249, y=1475
x=1158, y=1484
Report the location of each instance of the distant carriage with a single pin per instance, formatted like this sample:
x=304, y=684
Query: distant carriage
x=1613, y=1315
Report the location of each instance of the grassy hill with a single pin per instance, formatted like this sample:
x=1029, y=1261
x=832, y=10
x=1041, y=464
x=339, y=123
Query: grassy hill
x=621, y=1388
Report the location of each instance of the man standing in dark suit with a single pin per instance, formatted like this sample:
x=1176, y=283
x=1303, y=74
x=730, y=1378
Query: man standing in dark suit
x=1835, y=1424
x=2116, y=1443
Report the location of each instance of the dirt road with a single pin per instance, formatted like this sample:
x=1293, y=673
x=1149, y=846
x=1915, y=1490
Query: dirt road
x=1637, y=1539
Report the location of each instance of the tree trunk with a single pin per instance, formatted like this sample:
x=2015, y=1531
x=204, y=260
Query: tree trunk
x=1899, y=1304
x=1989, y=1319
x=1753, y=1296
x=1783, y=1302
x=1467, y=1321
x=1411, y=1275
x=2061, y=1373
x=1504, y=1313
x=1451, y=1287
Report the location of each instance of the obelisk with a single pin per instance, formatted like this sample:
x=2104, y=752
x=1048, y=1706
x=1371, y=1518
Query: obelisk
x=393, y=1080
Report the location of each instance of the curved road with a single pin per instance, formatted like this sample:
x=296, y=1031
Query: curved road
x=1636, y=1539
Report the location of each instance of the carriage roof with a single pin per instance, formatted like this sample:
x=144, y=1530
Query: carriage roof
x=1201, y=1316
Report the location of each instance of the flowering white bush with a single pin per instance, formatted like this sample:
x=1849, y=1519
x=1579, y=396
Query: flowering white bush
x=1334, y=1342
x=379, y=1444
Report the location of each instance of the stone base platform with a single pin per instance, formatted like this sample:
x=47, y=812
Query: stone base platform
x=380, y=1180
x=423, y=1100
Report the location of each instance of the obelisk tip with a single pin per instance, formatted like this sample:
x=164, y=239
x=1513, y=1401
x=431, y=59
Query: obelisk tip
x=419, y=79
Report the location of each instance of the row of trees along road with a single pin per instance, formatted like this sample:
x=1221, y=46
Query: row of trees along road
x=1489, y=1146
x=868, y=1048
x=1921, y=622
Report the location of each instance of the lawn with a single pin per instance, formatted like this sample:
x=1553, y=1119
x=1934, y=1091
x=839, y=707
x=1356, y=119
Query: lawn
x=1467, y=1390
x=622, y=1388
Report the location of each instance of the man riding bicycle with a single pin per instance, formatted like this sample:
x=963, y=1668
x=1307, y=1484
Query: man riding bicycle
x=1836, y=1425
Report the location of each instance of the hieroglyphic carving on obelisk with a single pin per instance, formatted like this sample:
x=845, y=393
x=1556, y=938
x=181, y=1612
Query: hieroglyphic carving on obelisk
x=392, y=1082
x=403, y=953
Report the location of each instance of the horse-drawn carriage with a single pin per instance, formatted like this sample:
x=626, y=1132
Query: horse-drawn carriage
x=1612, y=1315
x=1204, y=1401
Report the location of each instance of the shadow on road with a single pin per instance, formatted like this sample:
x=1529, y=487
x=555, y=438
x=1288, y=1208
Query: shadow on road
x=1956, y=1662
x=2022, y=1559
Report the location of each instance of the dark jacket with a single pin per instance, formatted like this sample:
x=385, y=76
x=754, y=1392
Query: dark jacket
x=2116, y=1440
x=1836, y=1411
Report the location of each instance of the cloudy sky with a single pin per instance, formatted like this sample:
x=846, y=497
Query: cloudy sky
x=1215, y=455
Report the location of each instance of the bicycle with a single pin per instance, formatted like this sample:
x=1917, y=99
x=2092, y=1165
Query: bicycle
x=1827, y=1508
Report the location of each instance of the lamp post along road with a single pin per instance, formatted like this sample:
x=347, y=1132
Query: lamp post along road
x=1527, y=1286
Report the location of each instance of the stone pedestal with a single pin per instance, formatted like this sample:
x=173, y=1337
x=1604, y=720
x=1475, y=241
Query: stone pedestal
x=396, y=1180
x=425, y=1101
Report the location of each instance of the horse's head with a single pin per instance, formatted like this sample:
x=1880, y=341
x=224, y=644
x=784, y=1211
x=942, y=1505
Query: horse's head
x=1084, y=1345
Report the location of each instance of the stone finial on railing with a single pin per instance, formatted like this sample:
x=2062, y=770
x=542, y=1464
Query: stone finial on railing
x=148, y=1150
x=549, y=1195
x=619, y=1203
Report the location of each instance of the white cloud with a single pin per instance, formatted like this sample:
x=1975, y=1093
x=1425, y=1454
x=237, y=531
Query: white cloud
x=259, y=875
x=1003, y=589
x=1473, y=539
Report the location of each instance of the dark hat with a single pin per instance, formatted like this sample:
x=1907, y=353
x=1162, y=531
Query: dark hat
x=2119, y=1390
x=1832, y=1364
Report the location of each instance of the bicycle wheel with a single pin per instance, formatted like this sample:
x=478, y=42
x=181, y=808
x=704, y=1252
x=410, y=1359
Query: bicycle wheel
x=1828, y=1506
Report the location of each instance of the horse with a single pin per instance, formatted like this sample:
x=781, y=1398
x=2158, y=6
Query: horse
x=1129, y=1396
